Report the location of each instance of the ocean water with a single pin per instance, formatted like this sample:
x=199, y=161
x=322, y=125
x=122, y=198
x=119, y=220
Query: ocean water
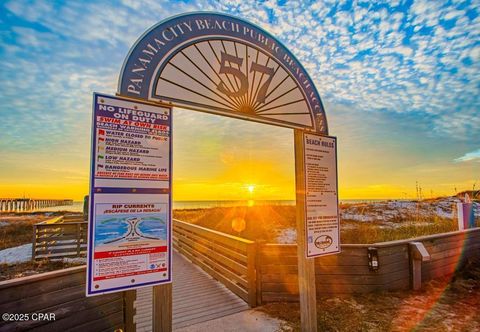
x=78, y=206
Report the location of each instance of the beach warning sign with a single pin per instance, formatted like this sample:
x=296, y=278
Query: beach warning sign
x=321, y=195
x=129, y=240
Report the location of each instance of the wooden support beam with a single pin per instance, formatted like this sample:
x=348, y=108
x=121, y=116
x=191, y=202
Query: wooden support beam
x=162, y=308
x=129, y=311
x=306, y=267
x=418, y=254
x=252, y=275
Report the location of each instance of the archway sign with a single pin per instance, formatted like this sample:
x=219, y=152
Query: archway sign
x=223, y=65
x=220, y=64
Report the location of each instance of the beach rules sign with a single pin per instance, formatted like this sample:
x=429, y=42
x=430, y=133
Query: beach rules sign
x=129, y=237
x=321, y=195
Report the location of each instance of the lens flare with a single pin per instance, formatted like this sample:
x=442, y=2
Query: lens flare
x=238, y=224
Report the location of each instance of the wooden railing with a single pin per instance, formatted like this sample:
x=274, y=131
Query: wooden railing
x=229, y=259
x=60, y=237
x=60, y=295
x=260, y=273
x=348, y=272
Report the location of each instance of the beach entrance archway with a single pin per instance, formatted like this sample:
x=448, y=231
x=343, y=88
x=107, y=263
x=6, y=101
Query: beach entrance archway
x=220, y=64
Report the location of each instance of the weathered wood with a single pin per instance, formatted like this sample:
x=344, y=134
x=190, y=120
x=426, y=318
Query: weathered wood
x=418, y=254
x=129, y=312
x=59, y=239
x=112, y=322
x=16, y=289
x=62, y=293
x=464, y=234
x=258, y=273
x=235, y=288
x=208, y=316
x=217, y=266
x=229, y=240
x=217, y=255
x=359, y=258
x=94, y=318
x=162, y=308
x=45, y=300
x=251, y=275
x=416, y=274
x=34, y=241
x=189, y=304
x=447, y=245
x=229, y=259
x=306, y=267
x=236, y=255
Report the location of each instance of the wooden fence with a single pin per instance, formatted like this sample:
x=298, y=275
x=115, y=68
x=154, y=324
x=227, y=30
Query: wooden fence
x=60, y=237
x=262, y=273
x=61, y=293
x=348, y=272
x=229, y=259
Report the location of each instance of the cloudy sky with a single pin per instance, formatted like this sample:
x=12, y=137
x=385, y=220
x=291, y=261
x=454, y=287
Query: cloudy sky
x=400, y=82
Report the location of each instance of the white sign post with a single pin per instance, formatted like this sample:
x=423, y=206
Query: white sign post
x=129, y=239
x=321, y=195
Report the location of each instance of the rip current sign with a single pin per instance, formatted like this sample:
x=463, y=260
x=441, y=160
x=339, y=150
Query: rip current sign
x=321, y=195
x=129, y=236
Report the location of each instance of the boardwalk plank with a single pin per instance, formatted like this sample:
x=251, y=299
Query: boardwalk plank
x=197, y=298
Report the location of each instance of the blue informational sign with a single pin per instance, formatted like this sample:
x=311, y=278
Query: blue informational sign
x=129, y=236
x=221, y=64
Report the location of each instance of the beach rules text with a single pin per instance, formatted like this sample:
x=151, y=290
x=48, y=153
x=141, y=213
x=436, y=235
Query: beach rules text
x=321, y=195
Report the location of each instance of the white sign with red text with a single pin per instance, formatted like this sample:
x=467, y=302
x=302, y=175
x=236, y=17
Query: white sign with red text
x=129, y=239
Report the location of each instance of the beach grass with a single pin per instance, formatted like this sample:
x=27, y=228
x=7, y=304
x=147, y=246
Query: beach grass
x=17, y=229
x=264, y=222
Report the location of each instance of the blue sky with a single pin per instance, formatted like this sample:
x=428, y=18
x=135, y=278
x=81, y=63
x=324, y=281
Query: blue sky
x=400, y=81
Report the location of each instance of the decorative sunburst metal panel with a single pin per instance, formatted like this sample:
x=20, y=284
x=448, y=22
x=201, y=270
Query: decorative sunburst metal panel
x=220, y=64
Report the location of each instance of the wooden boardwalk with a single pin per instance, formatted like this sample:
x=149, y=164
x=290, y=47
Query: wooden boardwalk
x=197, y=298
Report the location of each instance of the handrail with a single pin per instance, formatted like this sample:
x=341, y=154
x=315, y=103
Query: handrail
x=59, y=239
x=51, y=221
x=236, y=238
x=227, y=258
x=395, y=242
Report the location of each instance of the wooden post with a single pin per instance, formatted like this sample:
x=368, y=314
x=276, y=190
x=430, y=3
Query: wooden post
x=418, y=254
x=162, y=308
x=306, y=267
x=79, y=238
x=34, y=242
x=258, y=267
x=128, y=299
x=251, y=275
